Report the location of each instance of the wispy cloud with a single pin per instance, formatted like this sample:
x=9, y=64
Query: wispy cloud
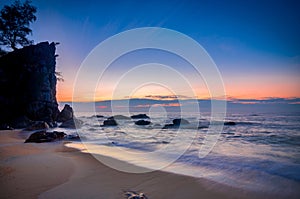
x=164, y=97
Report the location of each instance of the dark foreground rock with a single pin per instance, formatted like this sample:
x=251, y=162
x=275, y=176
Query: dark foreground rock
x=109, y=122
x=140, y=116
x=142, y=122
x=28, y=85
x=43, y=136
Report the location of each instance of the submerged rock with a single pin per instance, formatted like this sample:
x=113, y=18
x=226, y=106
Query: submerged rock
x=176, y=123
x=140, y=116
x=180, y=121
x=43, y=136
x=229, y=123
x=142, y=122
x=119, y=117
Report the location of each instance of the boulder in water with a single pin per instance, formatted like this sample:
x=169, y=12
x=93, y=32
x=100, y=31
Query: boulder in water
x=140, y=116
x=142, y=122
x=109, y=122
x=119, y=117
x=229, y=123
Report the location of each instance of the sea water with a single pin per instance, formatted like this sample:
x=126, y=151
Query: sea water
x=260, y=153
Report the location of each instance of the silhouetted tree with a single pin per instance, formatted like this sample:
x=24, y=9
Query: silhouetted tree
x=14, y=24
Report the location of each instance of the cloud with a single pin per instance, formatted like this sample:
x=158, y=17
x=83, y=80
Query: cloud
x=162, y=97
x=270, y=100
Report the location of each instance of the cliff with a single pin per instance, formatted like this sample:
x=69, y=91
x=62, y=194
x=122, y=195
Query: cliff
x=28, y=85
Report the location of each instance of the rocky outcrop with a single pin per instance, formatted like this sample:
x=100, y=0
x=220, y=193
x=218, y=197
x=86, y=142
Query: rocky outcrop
x=28, y=85
x=66, y=114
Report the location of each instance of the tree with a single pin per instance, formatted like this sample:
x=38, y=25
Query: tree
x=14, y=24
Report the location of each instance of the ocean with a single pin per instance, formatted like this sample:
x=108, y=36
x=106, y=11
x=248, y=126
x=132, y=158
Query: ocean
x=261, y=152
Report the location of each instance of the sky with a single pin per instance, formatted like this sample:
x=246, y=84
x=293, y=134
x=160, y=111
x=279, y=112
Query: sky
x=254, y=44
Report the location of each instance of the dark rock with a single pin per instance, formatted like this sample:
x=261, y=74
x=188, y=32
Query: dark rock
x=119, y=117
x=72, y=123
x=66, y=114
x=109, y=122
x=43, y=136
x=5, y=127
x=38, y=125
x=180, y=121
x=142, y=122
x=99, y=116
x=140, y=116
x=176, y=123
x=229, y=123
x=170, y=126
x=28, y=85
x=21, y=122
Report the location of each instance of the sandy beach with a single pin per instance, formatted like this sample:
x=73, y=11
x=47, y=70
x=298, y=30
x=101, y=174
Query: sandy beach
x=52, y=170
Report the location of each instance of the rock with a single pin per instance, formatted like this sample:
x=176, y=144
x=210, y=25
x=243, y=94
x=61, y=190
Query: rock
x=43, y=136
x=140, y=116
x=21, y=122
x=28, y=85
x=142, y=122
x=229, y=123
x=38, y=125
x=5, y=127
x=109, y=122
x=180, y=121
x=176, y=123
x=66, y=114
x=72, y=123
x=99, y=116
x=119, y=117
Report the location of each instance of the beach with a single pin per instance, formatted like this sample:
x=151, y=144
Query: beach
x=52, y=170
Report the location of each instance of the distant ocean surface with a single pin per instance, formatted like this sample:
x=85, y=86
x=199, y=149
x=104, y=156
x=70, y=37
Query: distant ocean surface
x=260, y=153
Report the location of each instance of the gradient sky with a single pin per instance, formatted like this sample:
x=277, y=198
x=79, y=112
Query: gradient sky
x=255, y=44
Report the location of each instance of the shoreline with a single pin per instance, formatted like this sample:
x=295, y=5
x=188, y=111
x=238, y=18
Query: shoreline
x=53, y=170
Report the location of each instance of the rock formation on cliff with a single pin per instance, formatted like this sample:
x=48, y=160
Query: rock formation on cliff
x=28, y=85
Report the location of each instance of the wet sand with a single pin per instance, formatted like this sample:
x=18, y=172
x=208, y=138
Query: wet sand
x=52, y=170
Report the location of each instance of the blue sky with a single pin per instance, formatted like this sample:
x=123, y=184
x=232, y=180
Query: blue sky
x=250, y=41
